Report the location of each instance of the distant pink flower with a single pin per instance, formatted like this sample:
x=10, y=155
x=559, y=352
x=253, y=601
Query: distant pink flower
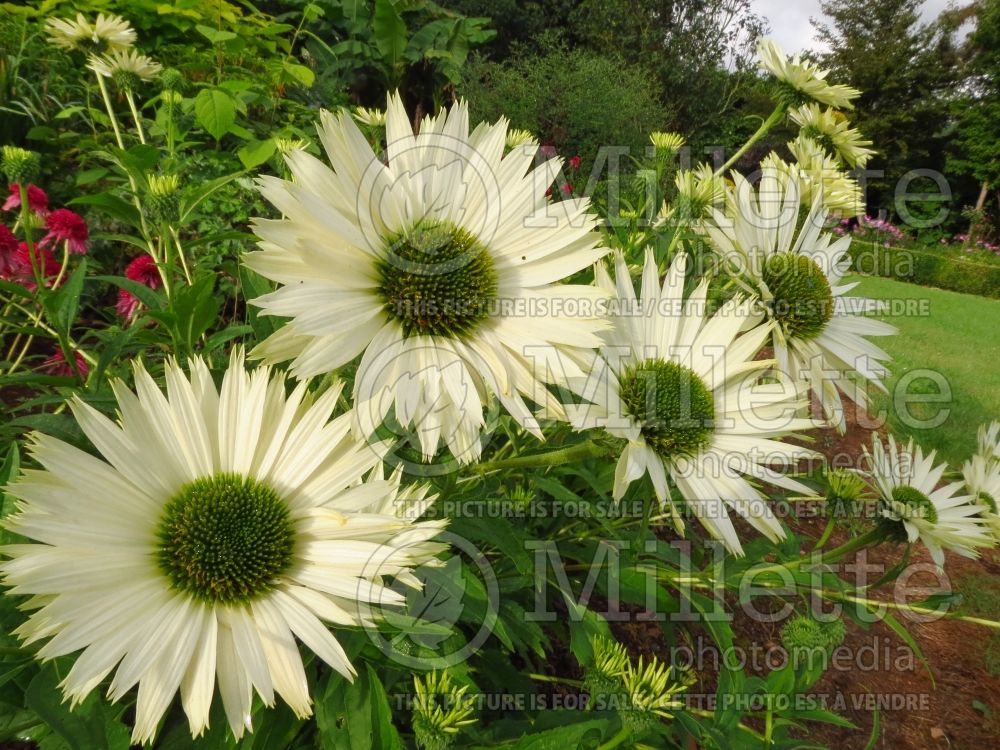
x=548, y=150
x=8, y=249
x=23, y=272
x=57, y=365
x=143, y=271
x=566, y=187
x=38, y=201
x=65, y=225
x=574, y=162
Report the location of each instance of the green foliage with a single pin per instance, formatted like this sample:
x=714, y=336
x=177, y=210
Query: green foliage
x=907, y=72
x=574, y=99
x=928, y=267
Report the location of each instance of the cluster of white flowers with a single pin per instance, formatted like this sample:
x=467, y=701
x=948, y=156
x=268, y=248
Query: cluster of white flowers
x=108, y=42
x=224, y=523
x=910, y=493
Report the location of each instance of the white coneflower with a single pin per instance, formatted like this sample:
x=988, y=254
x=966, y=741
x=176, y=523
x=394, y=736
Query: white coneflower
x=681, y=387
x=221, y=525
x=909, y=496
x=697, y=190
x=982, y=478
x=107, y=34
x=988, y=438
x=666, y=144
x=801, y=80
x=819, y=336
x=437, y=266
x=833, y=130
x=818, y=174
x=370, y=116
x=125, y=67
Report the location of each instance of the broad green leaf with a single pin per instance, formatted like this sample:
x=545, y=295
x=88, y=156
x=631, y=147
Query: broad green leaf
x=215, y=111
x=390, y=32
x=256, y=153
x=90, y=726
x=113, y=205
x=300, y=73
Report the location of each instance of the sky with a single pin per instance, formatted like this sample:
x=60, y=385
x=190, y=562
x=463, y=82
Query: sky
x=790, y=25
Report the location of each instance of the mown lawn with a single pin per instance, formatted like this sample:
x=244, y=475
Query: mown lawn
x=947, y=349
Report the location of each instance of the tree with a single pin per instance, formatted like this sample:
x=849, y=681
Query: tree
x=907, y=72
x=977, y=133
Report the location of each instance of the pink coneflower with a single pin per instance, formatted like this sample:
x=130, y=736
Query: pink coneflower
x=143, y=271
x=8, y=249
x=57, y=365
x=65, y=225
x=23, y=273
x=38, y=201
x=574, y=162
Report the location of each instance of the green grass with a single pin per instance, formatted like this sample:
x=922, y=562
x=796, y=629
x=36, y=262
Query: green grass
x=956, y=337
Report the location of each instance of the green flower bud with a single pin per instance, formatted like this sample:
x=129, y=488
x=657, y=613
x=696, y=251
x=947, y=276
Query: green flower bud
x=19, y=164
x=163, y=198
x=172, y=79
x=440, y=711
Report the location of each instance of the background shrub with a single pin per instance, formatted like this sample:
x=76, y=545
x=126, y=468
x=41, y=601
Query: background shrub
x=574, y=99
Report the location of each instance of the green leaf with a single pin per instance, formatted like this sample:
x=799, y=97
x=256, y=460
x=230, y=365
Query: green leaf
x=584, y=626
x=215, y=36
x=256, y=153
x=300, y=73
x=439, y=601
x=344, y=714
x=63, y=303
x=113, y=205
x=196, y=308
x=390, y=32
x=90, y=726
x=219, y=338
x=149, y=297
x=578, y=735
x=89, y=176
x=191, y=201
x=215, y=111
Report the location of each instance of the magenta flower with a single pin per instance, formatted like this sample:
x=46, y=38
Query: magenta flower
x=38, y=201
x=67, y=226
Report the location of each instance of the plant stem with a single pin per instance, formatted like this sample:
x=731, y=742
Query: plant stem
x=765, y=126
x=26, y=227
x=135, y=116
x=623, y=734
x=872, y=537
x=180, y=254
x=557, y=680
x=578, y=452
x=111, y=111
x=826, y=535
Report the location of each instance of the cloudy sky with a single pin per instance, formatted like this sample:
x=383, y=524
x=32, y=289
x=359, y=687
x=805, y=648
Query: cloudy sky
x=790, y=25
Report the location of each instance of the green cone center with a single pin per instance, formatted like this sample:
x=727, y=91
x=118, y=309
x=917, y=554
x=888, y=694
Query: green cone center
x=917, y=504
x=985, y=498
x=803, y=302
x=225, y=539
x=437, y=280
x=674, y=408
